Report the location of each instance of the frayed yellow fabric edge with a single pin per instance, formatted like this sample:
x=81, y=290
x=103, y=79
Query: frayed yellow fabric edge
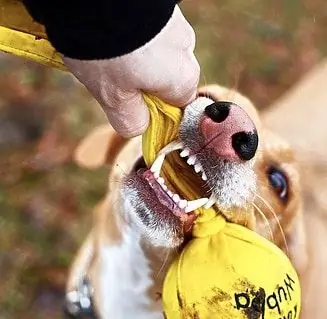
x=30, y=47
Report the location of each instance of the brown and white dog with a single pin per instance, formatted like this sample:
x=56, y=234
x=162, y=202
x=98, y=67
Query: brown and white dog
x=137, y=229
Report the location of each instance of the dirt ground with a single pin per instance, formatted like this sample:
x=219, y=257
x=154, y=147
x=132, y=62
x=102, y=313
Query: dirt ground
x=259, y=47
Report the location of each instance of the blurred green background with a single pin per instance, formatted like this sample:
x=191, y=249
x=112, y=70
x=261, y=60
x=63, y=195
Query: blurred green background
x=260, y=48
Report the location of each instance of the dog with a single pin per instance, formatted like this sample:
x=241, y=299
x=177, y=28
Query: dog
x=120, y=268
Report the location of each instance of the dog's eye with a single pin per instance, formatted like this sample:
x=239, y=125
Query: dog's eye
x=139, y=164
x=279, y=182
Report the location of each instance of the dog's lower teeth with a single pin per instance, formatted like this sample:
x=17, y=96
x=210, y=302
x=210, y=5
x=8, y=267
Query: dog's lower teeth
x=195, y=204
x=182, y=203
x=176, y=198
x=170, y=193
x=204, y=176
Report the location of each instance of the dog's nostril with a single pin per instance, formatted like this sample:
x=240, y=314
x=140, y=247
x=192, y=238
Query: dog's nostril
x=218, y=111
x=245, y=144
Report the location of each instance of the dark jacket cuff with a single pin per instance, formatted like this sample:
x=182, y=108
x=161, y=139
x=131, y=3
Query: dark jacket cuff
x=100, y=29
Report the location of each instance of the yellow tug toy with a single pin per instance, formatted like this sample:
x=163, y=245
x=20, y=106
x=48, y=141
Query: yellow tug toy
x=226, y=270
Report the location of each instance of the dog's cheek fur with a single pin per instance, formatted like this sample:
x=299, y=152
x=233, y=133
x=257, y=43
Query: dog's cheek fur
x=162, y=230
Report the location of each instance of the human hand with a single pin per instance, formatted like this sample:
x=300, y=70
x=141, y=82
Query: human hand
x=165, y=66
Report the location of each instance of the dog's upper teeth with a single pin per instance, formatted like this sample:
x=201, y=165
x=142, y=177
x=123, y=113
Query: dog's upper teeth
x=195, y=204
x=161, y=181
x=170, y=193
x=212, y=200
x=185, y=152
x=198, y=167
x=204, y=176
x=191, y=160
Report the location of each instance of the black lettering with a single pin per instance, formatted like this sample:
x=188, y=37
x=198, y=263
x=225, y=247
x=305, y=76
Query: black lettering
x=258, y=303
x=242, y=300
x=281, y=289
x=288, y=285
x=295, y=311
x=272, y=302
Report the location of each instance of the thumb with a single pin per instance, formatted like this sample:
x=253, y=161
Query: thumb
x=129, y=115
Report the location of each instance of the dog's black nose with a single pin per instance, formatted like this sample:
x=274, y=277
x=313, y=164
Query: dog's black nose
x=245, y=144
x=218, y=111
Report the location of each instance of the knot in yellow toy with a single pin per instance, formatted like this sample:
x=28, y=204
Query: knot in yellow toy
x=226, y=270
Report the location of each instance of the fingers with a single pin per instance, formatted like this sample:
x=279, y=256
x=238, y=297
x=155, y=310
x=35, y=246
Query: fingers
x=129, y=116
x=182, y=89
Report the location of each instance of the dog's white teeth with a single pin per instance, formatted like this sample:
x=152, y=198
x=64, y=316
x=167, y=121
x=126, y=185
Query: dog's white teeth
x=212, y=200
x=173, y=146
x=191, y=160
x=157, y=164
x=165, y=188
x=182, y=203
x=170, y=193
x=195, y=204
x=161, y=181
x=185, y=152
x=176, y=198
x=72, y=296
x=204, y=176
x=85, y=302
x=198, y=167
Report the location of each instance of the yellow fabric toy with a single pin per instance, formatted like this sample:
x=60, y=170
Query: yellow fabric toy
x=226, y=270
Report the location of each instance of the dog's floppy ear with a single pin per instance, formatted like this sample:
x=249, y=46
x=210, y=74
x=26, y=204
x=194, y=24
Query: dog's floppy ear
x=98, y=148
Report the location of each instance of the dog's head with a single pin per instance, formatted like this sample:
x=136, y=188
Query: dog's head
x=244, y=169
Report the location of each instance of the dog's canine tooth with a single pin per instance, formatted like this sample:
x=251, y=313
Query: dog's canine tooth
x=157, y=164
x=212, y=200
x=182, y=203
x=204, y=176
x=185, y=152
x=191, y=160
x=195, y=204
x=173, y=146
x=198, y=167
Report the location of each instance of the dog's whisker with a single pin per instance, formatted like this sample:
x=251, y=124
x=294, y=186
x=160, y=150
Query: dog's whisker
x=276, y=219
x=164, y=262
x=266, y=221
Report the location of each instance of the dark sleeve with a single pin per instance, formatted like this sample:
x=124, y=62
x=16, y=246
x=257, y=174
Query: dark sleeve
x=100, y=29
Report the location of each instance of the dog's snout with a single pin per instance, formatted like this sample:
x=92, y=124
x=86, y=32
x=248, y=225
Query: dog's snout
x=218, y=111
x=245, y=144
x=229, y=131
